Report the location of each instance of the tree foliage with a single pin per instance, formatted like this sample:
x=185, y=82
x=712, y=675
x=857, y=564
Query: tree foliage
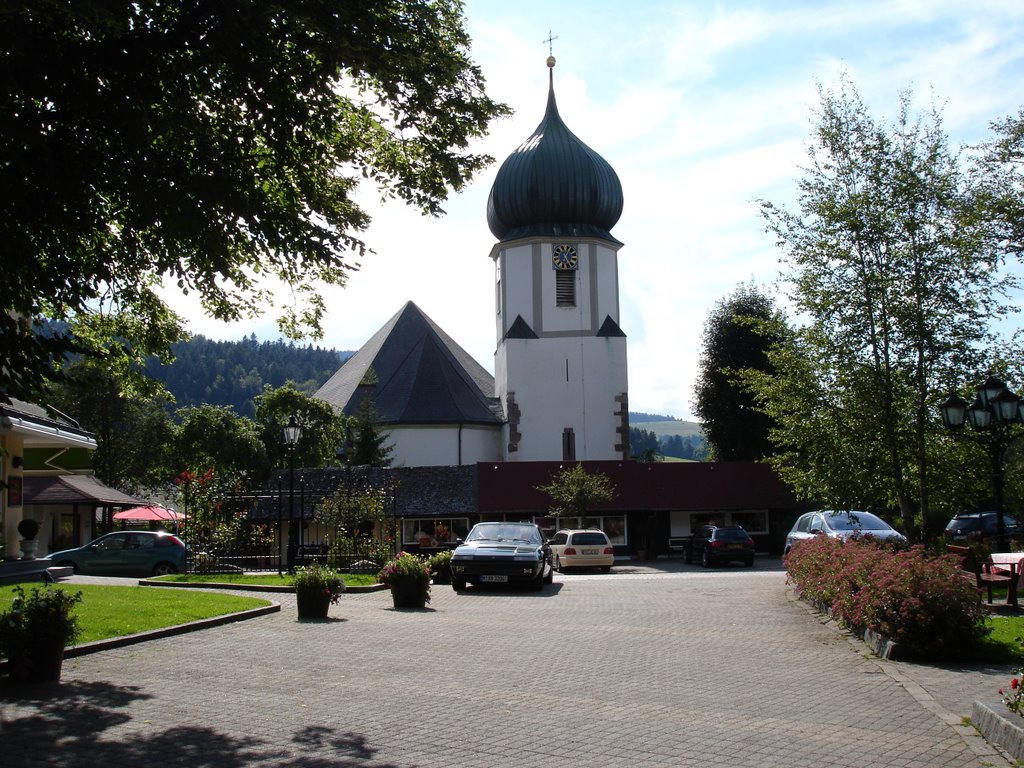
x=213, y=437
x=738, y=333
x=212, y=147
x=575, y=492
x=323, y=429
x=895, y=270
x=369, y=442
x=134, y=430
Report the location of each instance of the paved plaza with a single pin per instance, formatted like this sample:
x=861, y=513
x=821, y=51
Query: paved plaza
x=643, y=666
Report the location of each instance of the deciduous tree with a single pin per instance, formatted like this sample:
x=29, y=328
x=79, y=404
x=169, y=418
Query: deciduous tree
x=900, y=283
x=212, y=146
x=738, y=333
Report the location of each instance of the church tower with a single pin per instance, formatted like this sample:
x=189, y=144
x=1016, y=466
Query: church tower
x=560, y=362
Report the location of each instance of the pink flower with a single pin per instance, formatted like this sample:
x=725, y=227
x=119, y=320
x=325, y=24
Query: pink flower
x=1014, y=683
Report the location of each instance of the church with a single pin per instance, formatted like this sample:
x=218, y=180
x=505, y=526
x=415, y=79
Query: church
x=477, y=445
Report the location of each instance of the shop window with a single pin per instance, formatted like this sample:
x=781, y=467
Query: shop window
x=434, y=532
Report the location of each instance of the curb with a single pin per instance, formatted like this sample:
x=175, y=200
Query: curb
x=247, y=587
x=993, y=721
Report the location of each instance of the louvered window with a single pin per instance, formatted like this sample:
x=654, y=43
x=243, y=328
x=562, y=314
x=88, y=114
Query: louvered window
x=565, y=288
x=568, y=444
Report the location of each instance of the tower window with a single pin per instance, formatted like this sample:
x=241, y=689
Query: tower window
x=568, y=444
x=565, y=288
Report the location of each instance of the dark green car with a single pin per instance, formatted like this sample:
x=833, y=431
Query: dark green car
x=126, y=553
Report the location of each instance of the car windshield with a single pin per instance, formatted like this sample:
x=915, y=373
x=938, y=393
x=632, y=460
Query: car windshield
x=856, y=521
x=504, y=533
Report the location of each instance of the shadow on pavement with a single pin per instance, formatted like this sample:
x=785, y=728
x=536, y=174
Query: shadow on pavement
x=64, y=724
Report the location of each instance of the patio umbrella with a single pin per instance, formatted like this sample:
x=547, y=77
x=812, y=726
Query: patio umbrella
x=153, y=512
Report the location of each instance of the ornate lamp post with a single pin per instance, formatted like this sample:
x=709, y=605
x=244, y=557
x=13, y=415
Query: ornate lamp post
x=994, y=417
x=292, y=431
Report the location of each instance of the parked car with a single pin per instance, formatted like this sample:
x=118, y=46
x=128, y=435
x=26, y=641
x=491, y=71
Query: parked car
x=981, y=526
x=126, y=553
x=840, y=524
x=589, y=548
x=720, y=544
x=500, y=553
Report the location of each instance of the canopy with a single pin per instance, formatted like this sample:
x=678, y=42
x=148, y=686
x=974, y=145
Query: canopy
x=151, y=512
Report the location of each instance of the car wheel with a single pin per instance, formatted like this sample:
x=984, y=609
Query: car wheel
x=606, y=568
x=458, y=584
x=704, y=559
x=558, y=564
x=687, y=556
x=69, y=564
x=550, y=578
x=162, y=569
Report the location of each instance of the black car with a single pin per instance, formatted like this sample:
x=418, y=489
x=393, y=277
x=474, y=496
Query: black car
x=720, y=544
x=981, y=526
x=500, y=553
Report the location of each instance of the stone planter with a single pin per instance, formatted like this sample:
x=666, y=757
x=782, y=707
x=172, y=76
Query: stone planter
x=409, y=593
x=28, y=549
x=312, y=605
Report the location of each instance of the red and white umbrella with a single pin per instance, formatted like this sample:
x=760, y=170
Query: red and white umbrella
x=153, y=512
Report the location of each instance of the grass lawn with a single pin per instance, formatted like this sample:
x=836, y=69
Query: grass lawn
x=114, y=611
x=1003, y=643
x=264, y=579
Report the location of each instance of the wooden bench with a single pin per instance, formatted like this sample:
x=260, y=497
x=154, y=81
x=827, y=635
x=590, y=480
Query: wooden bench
x=985, y=575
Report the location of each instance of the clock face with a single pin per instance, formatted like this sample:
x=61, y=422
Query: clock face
x=564, y=257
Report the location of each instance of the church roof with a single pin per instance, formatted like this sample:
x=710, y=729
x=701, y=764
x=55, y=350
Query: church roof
x=416, y=375
x=554, y=185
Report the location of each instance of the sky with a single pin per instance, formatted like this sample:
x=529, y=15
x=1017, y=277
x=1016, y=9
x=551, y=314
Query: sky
x=703, y=109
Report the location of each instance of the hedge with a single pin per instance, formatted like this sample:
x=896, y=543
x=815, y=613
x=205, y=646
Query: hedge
x=919, y=600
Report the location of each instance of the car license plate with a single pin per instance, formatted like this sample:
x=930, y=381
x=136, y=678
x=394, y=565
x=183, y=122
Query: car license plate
x=735, y=546
x=496, y=577
x=589, y=551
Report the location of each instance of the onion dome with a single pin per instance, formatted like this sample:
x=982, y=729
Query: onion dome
x=554, y=185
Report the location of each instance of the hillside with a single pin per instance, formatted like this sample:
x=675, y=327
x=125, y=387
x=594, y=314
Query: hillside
x=231, y=373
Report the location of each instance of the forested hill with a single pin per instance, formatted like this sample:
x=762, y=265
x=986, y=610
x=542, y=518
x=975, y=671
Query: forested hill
x=232, y=372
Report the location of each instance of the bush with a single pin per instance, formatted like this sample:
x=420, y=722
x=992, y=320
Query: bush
x=920, y=601
x=28, y=528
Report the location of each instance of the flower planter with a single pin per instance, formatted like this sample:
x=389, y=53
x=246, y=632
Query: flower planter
x=313, y=605
x=42, y=663
x=408, y=593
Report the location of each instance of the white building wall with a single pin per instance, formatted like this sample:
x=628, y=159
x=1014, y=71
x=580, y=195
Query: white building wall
x=437, y=445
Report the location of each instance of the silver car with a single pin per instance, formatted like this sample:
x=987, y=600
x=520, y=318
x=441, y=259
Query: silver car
x=840, y=524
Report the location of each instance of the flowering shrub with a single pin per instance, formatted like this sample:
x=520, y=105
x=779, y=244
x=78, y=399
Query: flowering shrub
x=406, y=566
x=920, y=601
x=319, y=579
x=1014, y=698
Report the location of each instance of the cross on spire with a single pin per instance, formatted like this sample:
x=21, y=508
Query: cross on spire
x=550, y=39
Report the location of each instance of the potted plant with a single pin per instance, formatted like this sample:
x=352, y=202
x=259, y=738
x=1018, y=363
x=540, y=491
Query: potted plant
x=408, y=577
x=28, y=528
x=316, y=588
x=441, y=566
x=35, y=631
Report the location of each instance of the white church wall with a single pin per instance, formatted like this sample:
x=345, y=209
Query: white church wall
x=438, y=445
x=547, y=379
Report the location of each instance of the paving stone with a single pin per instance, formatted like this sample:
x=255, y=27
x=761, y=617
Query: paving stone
x=664, y=665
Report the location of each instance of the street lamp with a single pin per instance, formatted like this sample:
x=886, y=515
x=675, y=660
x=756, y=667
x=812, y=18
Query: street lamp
x=993, y=418
x=292, y=431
